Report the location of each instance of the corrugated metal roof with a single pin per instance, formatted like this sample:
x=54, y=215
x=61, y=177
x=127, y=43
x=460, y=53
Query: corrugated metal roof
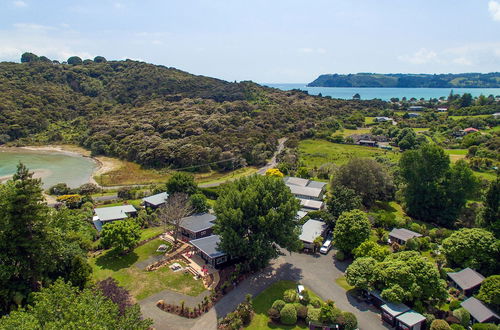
x=198, y=222
x=403, y=234
x=467, y=278
x=411, y=318
x=478, y=310
x=312, y=229
x=208, y=245
x=114, y=212
x=305, y=191
x=157, y=199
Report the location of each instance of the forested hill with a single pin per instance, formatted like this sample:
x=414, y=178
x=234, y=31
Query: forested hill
x=461, y=80
x=154, y=115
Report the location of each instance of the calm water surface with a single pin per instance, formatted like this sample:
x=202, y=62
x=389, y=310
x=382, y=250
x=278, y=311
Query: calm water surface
x=52, y=167
x=386, y=93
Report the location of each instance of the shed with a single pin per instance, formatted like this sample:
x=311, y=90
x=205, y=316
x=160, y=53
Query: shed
x=197, y=225
x=467, y=280
x=410, y=320
x=390, y=311
x=402, y=235
x=310, y=231
x=155, y=201
x=208, y=249
x=368, y=143
x=479, y=312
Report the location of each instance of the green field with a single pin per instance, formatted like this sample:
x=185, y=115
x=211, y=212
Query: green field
x=462, y=117
x=347, y=132
x=369, y=120
x=314, y=153
x=139, y=282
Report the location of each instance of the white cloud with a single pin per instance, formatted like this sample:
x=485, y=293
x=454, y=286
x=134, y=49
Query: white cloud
x=118, y=5
x=422, y=56
x=494, y=8
x=307, y=50
x=20, y=4
x=462, y=61
x=32, y=26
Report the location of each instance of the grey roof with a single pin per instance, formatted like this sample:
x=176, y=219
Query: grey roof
x=301, y=214
x=310, y=204
x=114, y=212
x=467, y=278
x=198, y=222
x=208, y=245
x=478, y=310
x=291, y=180
x=157, y=199
x=411, y=318
x=305, y=191
x=312, y=229
x=394, y=309
x=403, y=234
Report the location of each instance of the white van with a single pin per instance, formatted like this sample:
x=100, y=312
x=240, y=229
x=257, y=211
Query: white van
x=326, y=246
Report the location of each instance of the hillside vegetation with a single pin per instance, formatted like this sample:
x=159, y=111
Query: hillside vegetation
x=155, y=115
x=461, y=80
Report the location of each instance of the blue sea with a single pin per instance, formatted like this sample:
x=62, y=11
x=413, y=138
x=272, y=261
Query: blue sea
x=386, y=93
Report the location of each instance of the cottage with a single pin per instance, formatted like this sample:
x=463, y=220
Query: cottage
x=410, y=320
x=442, y=109
x=197, y=225
x=390, y=311
x=401, y=235
x=155, y=201
x=382, y=119
x=310, y=231
x=413, y=115
x=479, y=312
x=416, y=108
x=310, y=205
x=368, y=143
x=496, y=115
x=467, y=280
x=470, y=130
x=105, y=215
x=208, y=249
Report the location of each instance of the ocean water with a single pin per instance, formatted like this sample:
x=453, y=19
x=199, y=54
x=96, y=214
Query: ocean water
x=385, y=94
x=52, y=167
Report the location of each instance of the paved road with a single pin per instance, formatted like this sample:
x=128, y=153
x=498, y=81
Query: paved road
x=105, y=198
x=316, y=272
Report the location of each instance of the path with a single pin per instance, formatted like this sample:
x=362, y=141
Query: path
x=316, y=272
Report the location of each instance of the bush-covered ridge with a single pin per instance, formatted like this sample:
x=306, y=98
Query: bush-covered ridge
x=155, y=115
x=463, y=80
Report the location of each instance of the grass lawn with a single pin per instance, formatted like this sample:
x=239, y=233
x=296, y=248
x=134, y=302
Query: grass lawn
x=314, y=153
x=135, y=202
x=347, y=132
x=141, y=283
x=151, y=232
x=369, y=120
x=462, y=117
x=342, y=282
x=264, y=300
x=493, y=129
x=456, y=154
x=126, y=173
x=216, y=177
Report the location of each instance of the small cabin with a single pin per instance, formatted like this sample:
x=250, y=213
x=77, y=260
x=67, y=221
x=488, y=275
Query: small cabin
x=467, y=281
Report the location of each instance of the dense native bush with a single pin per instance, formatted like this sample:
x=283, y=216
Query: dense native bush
x=288, y=314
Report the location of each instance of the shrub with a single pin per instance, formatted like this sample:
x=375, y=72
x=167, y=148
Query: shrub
x=290, y=296
x=288, y=314
x=306, y=297
x=350, y=322
x=462, y=315
x=316, y=302
x=429, y=318
x=59, y=189
x=440, y=325
x=273, y=314
x=340, y=256
x=456, y=327
x=313, y=314
x=301, y=312
x=454, y=304
x=278, y=304
x=484, y=326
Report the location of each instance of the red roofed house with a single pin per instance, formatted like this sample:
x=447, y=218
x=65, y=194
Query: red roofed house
x=470, y=130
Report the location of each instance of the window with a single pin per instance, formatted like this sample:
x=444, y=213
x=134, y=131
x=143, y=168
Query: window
x=203, y=232
x=221, y=260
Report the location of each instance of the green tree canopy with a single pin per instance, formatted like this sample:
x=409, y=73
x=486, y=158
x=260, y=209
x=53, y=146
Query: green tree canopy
x=75, y=60
x=351, y=229
x=371, y=249
x=62, y=306
x=181, y=182
x=434, y=191
x=256, y=216
x=490, y=291
x=121, y=235
x=490, y=217
x=342, y=199
x=29, y=57
x=472, y=247
x=368, y=178
x=360, y=273
x=199, y=203
x=100, y=59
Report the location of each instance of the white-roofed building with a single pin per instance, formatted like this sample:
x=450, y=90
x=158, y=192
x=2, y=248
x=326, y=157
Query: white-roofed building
x=105, y=215
x=310, y=231
x=155, y=201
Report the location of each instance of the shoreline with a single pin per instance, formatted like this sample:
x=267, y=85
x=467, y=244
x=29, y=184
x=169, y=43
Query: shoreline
x=103, y=164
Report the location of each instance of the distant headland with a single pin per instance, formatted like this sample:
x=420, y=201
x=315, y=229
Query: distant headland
x=409, y=80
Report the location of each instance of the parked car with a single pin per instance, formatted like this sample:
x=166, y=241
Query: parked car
x=326, y=246
x=300, y=288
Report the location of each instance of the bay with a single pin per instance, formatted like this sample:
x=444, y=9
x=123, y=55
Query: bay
x=51, y=166
x=385, y=94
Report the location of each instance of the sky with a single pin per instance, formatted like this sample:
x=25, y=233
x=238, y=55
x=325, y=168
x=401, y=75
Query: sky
x=266, y=41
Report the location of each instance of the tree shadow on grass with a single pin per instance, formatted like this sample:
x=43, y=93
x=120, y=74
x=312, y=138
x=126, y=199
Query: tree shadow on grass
x=116, y=261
